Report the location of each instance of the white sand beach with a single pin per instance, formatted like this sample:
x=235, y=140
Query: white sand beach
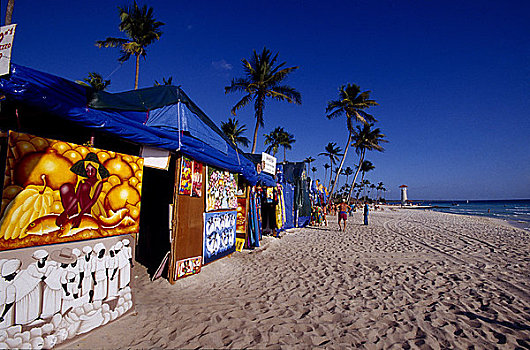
x=412, y=279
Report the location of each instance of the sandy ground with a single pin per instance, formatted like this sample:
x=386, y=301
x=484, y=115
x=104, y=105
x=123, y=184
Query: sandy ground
x=411, y=279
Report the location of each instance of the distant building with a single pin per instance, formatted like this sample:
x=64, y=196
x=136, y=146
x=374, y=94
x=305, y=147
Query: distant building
x=404, y=198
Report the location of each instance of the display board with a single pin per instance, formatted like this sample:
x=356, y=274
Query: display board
x=57, y=192
x=219, y=235
x=221, y=189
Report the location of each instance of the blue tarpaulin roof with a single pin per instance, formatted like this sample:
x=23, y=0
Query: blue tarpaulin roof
x=162, y=117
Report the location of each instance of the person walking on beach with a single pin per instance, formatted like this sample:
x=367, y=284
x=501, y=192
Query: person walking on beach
x=343, y=213
x=366, y=210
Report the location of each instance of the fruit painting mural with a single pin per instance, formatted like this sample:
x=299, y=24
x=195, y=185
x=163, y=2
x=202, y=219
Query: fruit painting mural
x=57, y=192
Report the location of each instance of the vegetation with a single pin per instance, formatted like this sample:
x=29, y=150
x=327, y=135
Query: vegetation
x=234, y=132
x=263, y=79
x=286, y=141
x=95, y=81
x=332, y=151
x=141, y=30
x=164, y=82
x=351, y=103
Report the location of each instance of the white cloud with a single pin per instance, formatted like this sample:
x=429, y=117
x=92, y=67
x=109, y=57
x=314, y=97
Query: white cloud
x=221, y=65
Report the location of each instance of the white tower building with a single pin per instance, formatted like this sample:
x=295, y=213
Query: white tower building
x=403, y=194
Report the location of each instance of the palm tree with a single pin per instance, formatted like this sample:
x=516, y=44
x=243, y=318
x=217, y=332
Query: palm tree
x=235, y=132
x=314, y=170
x=380, y=187
x=366, y=139
x=9, y=12
x=326, y=167
x=141, y=30
x=273, y=140
x=348, y=171
x=352, y=103
x=332, y=151
x=95, y=81
x=309, y=160
x=372, y=187
x=286, y=141
x=164, y=82
x=366, y=166
x=263, y=78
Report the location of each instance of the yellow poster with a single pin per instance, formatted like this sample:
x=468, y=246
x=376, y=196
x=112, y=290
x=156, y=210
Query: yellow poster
x=57, y=192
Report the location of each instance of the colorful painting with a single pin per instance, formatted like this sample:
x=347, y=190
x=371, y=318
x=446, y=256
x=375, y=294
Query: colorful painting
x=240, y=243
x=188, y=267
x=55, y=294
x=221, y=188
x=196, y=188
x=219, y=235
x=241, y=222
x=56, y=192
x=186, y=171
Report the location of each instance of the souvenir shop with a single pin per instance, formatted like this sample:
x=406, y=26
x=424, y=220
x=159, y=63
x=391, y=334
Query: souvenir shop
x=93, y=182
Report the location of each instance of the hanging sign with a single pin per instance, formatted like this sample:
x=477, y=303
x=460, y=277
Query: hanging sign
x=7, y=34
x=155, y=158
x=268, y=163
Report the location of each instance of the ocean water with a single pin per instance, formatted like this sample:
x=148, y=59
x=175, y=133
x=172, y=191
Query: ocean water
x=517, y=212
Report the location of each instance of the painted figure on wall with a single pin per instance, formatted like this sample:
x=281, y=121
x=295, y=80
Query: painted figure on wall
x=9, y=269
x=78, y=200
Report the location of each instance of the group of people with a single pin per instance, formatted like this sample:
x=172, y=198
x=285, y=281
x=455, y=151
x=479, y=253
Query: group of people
x=342, y=210
x=62, y=280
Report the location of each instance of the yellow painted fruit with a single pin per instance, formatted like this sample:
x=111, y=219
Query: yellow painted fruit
x=134, y=211
x=57, y=207
x=133, y=181
x=140, y=162
x=106, y=187
x=11, y=191
x=56, y=168
x=83, y=151
x=39, y=143
x=61, y=147
x=119, y=167
x=20, y=136
x=135, y=167
x=114, y=180
x=126, y=158
x=24, y=147
x=103, y=156
x=72, y=156
x=139, y=187
x=139, y=174
x=121, y=195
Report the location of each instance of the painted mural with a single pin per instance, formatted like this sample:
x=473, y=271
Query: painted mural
x=51, y=295
x=196, y=188
x=241, y=222
x=221, y=189
x=187, y=267
x=219, y=235
x=57, y=192
x=186, y=170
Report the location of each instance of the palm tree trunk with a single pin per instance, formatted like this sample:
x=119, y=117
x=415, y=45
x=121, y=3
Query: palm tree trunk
x=255, y=137
x=284, y=157
x=9, y=12
x=341, y=164
x=356, y=173
x=330, y=172
x=137, y=72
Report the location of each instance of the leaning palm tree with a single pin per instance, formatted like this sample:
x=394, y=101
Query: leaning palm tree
x=351, y=103
x=141, y=30
x=309, y=160
x=314, y=170
x=380, y=187
x=348, y=171
x=235, y=132
x=263, y=79
x=326, y=167
x=366, y=139
x=286, y=141
x=95, y=81
x=9, y=12
x=273, y=140
x=332, y=151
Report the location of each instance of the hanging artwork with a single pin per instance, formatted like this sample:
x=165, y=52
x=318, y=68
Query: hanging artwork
x=56, y=192
x=219, y=235
x=54, y=294
x=221, y=188
x=186, y=171
x=241, y=223
x=240, y=243
x=196, y=188
x=188, y=267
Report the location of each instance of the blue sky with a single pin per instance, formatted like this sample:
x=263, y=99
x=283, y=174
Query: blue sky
x=452, y=77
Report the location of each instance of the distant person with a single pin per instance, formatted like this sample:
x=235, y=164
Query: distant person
x=343, y=213
x=366, y=211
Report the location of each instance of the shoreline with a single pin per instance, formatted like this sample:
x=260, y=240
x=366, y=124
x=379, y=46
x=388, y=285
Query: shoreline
x=413, y=279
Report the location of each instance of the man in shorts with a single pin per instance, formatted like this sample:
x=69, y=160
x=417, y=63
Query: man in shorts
x=343, y=213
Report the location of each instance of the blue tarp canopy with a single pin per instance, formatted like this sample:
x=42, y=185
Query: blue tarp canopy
x=162, y=117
